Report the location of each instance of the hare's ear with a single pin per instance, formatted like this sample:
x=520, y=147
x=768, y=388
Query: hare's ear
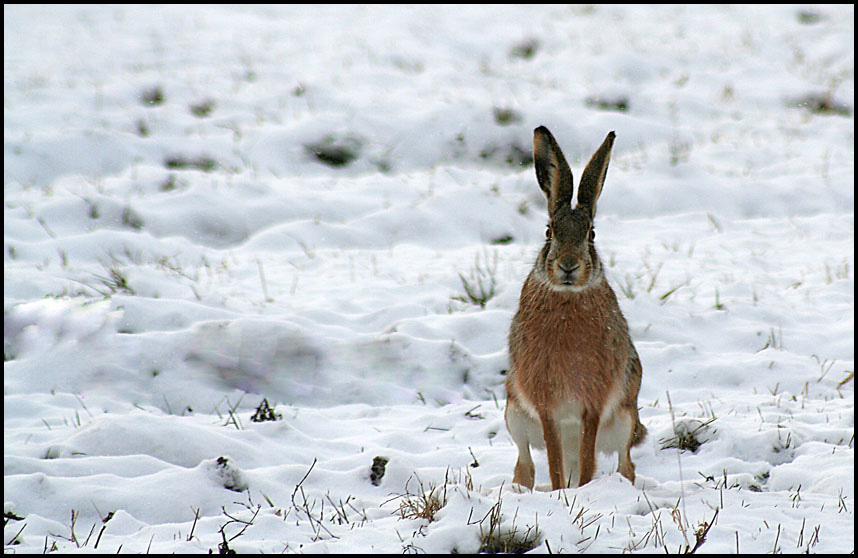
x=593, y=176
x=552, y=171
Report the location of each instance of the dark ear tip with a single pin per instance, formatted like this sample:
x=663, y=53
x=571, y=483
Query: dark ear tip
x=611, y=134
x=541, y=130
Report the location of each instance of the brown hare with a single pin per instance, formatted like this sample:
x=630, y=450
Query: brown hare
x=574, y=374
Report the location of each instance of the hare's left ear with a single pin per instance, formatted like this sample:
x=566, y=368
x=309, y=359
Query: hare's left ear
x=593, y=176
x=552, y=171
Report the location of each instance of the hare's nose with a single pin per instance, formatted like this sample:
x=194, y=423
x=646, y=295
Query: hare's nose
x=568, y=272
x=568, y=267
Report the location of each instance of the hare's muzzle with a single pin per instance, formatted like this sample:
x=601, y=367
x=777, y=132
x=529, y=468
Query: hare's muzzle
x=567, y=273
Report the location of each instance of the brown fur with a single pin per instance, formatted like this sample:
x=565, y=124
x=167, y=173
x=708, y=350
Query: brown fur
x=556, y=338
x=569, y=342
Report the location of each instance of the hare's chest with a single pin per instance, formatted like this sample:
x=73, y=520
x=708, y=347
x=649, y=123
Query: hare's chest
x=564, y=350
x=564, y=335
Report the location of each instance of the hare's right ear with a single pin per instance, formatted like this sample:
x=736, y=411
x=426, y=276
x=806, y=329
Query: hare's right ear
x=552, y=170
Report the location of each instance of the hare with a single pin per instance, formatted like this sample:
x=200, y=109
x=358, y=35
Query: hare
x=574, y=374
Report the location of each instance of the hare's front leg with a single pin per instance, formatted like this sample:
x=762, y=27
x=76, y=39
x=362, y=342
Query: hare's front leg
x=587, y=444
x=554, y=448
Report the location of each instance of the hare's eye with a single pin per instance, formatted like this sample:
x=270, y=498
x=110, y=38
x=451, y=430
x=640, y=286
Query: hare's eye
x=548, y=232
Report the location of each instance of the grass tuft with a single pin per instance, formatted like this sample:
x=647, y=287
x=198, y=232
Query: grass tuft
x=499, y=540
x=335, y=152
x=616, y=104
x=179, y=162
x=424, y=504
x=203, y=108
x=808, y=17
x=152, y=97
x=503, y=239
x=685, y=437
x=525, y=50
x=264, y=413
x=481, y=288
x=506, y=116
x=823, y=104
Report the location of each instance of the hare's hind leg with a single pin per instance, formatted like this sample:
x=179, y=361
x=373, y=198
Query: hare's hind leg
x=625, y=420
x=521, y=427
x=630, y=429
x=616, y=434
x=524, y=472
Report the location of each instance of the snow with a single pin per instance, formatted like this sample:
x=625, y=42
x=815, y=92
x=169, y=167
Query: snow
x=166, y=268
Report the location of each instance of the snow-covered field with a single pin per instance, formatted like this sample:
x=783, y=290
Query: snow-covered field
x=333, y=208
